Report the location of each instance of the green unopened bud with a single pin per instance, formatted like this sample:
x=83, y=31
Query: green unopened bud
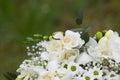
x=37, y=35
x=50, y=37
x=99, y=35
x=104, y=32
x=45, y=37
x=19, y=79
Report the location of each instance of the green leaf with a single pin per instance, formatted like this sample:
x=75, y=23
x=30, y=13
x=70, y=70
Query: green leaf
x=10, y=76
x=88, y=28
x=77, y=29
x=85, y=37
x=29, y=39
x=79, y=19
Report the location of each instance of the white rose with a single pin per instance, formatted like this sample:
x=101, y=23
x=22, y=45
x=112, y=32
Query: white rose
x=69, y=55
x=54, y=46
x=72, y=39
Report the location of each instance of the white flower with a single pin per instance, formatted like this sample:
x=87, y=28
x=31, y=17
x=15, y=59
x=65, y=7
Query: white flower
x=27, y=73
x=72, y=39
x=45, y=56
x=91, y=47
x=69, y=55
x=54, y=46
x=68, y=76
x=58, y=35
x=73, y=68
x=108, y=46
x=103, y=47
x=46, y=76
x=109, y=33
x=96, y=72
x=112, y=76
x=84, y=58
x=60, y=72
x=52, y=66
x=87, y=76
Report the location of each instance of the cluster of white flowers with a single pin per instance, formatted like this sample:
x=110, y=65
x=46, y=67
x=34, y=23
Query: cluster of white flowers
x=61, y=58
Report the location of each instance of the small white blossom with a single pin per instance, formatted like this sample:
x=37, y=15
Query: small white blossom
x=72, y=39
x=58, y=35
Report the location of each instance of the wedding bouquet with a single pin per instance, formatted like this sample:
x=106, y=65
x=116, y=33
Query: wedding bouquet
x=73, y=55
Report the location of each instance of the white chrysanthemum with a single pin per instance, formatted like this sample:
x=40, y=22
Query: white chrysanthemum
x=88, y=76
x=73, y=67
x=112, y=76
x=96, y=72
x=72, y=39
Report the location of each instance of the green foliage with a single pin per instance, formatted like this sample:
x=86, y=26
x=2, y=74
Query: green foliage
x=10, y=76
x=79, y=19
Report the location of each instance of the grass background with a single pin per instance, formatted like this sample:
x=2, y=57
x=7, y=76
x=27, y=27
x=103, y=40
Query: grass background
x=22, y=18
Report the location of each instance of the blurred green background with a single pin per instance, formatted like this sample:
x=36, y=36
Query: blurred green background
x=22, y=18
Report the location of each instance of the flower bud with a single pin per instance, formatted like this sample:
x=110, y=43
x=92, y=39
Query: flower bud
x=99, y=35
x=50, y=37
x=19, y=79
x=104, y=32
x=109, y=33
x=45, y=37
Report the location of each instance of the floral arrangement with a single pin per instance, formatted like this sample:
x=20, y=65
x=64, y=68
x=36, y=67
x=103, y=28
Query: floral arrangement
x=68, y=56
x=72, y=55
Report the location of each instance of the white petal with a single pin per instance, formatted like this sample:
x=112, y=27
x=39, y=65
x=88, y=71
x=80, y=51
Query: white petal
x=84, y=58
